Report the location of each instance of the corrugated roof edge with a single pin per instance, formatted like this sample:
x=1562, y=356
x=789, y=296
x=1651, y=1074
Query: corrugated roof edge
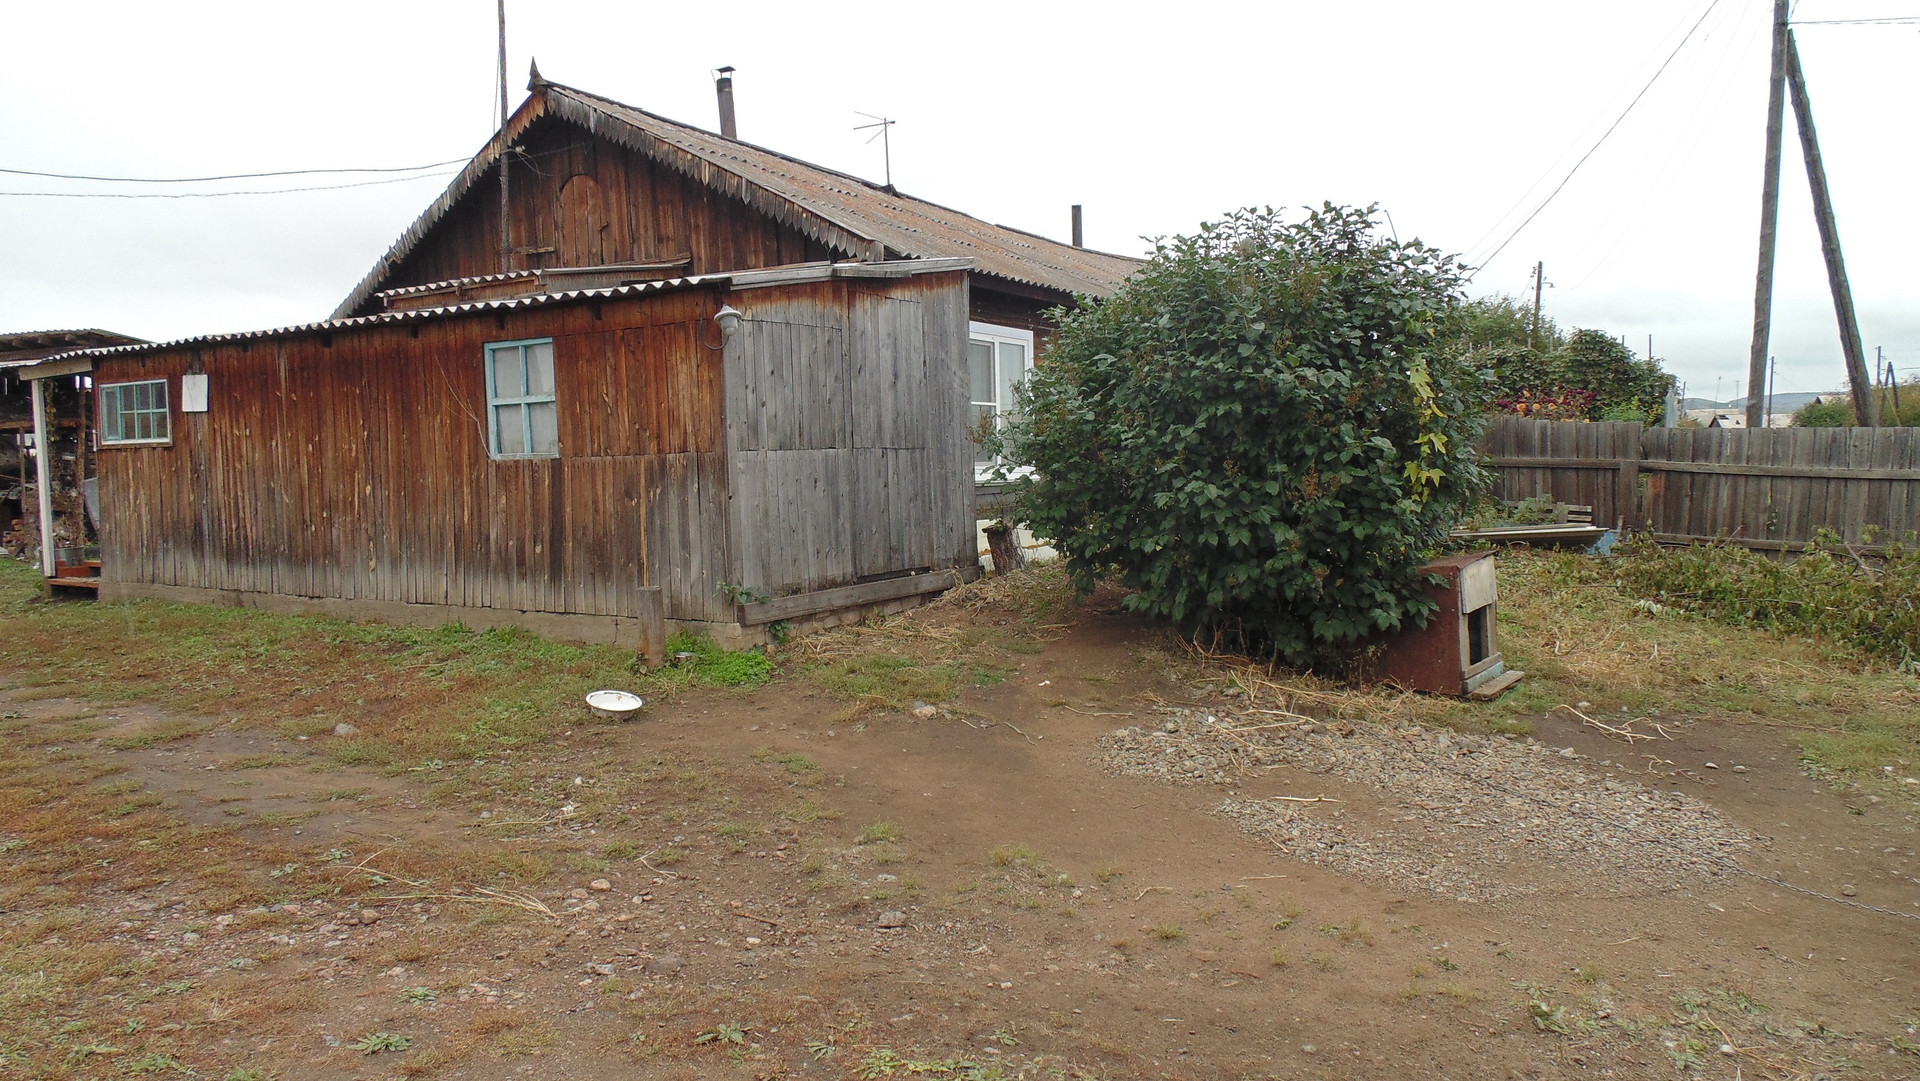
x=745, y=279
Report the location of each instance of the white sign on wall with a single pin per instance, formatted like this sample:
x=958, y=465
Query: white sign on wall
x=193, y=392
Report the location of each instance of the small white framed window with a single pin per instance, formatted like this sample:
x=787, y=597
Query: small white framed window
x=998, y=358
x=134, y=413
x=525, y=422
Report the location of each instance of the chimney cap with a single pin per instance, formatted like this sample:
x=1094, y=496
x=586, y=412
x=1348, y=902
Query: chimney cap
x=724, y=72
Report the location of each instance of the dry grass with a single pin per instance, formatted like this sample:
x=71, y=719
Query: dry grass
x=1582, y=638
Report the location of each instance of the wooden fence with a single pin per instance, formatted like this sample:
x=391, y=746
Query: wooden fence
x=1769, y=488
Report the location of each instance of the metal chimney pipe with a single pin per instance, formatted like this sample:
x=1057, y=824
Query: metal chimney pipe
x=723, y=89
x=1079, y=239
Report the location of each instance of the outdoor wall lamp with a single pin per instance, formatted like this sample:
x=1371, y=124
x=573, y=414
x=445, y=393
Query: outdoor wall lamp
x=729, y=319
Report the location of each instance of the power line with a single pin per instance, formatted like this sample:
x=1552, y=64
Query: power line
x=208, y=194
x=1497, y=225
x=1892, y=20
x=228, y=176
x=1603, y=135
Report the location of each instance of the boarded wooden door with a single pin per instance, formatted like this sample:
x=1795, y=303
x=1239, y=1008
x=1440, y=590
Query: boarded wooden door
x=583, y=222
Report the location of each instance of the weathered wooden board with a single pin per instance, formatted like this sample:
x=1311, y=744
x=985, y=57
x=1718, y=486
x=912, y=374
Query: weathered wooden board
x=355, y=465
x=846, y=432
x=1773, y=489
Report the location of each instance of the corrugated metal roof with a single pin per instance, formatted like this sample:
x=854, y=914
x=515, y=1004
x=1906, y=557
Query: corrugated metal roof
x=25, y=347
x=737, y=280
x=840, y=210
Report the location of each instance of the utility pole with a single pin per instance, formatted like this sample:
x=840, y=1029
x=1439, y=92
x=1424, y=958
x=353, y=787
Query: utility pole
x=1893, y=382
x=1866, y=406
x=1539, y=283
x=1769, y=210
x=506, y=230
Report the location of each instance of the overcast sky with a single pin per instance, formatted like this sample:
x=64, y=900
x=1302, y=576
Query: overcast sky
x=1457, y=118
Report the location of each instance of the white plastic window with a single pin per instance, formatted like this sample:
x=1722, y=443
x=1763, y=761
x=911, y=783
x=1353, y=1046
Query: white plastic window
x=998, y=358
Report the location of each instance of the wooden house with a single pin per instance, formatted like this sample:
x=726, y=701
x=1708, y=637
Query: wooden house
x=713, y=389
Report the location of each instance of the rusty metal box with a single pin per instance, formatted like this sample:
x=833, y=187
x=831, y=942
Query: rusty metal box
x=1457, y=652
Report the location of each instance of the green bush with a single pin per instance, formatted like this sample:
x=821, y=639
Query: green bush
x=1838, y=411
x=1258, y=433
x=1830, y=591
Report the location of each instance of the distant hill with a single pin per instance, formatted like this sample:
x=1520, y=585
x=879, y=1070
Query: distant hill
x=1782, y=403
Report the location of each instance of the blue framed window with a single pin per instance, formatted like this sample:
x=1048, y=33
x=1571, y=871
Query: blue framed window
x=134, y=412
x=524, y=421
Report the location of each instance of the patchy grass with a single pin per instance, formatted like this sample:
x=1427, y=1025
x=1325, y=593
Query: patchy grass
x=1014, y=855
x=917, y=656
x=416, y=694
x=1575, y=625
x=706, y=664
x=885, y=681
x=1580, y=632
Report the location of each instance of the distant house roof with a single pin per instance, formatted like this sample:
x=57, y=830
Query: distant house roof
x=846, y=213
x=29, y=346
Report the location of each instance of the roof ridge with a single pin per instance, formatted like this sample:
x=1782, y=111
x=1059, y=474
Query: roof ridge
x=878, y=189
x=844, y=213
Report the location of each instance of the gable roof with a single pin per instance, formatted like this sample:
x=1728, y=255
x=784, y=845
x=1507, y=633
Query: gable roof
x=843, y=212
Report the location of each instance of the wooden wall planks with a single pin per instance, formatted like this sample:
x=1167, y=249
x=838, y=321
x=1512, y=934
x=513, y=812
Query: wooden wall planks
x=1768, y=488
x=581, y=200
x=584, y=201
x=846, y=434
x=824, y=445
x=355, y=465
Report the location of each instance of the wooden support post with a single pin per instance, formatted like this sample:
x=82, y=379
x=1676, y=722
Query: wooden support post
x=1866, y=404
x=80, y=447
x=1626, y=493
x=42, y=452
x=1769, y=217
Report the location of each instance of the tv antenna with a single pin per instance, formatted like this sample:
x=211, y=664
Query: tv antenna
x=886, y=141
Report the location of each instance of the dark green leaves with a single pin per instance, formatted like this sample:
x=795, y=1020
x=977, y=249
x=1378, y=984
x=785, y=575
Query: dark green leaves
x=1259, y=433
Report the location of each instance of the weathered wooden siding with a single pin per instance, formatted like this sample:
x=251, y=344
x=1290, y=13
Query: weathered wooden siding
x=583, y=201
x=1575, y=463
x=846, y=435
x=1768, y=488
x=580, y=200
x=1012, y=310
x=1776, y=487
x=355, y=465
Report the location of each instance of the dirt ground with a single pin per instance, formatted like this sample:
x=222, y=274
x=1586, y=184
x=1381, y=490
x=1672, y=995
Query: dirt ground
x=767, y=884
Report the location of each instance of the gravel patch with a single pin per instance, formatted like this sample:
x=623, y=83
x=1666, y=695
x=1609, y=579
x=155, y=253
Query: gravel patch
x=1471, y=817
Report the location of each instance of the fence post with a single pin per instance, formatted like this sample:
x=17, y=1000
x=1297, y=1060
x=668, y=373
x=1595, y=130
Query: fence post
x=1626, y=492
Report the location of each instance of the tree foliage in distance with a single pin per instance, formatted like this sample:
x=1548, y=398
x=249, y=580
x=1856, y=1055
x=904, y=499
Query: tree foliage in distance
x=1899, y=409
x=1263, y=433
x=1553, y=375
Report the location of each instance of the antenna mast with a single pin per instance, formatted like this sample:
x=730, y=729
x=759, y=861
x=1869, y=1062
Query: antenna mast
x=886, y=142
x=506, y=230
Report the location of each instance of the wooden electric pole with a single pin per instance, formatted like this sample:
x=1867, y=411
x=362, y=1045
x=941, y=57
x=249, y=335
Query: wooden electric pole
x=1769, y=215
x=1539, y=283
x=506, y=231
x=1866, y=405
